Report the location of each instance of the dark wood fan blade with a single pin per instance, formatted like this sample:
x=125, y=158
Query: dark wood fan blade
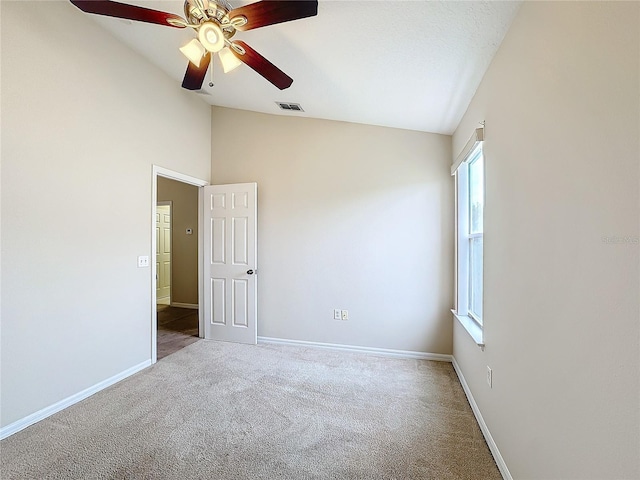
x=269, y=12
x=123, y=10
x=194, y=76
x=263, y=66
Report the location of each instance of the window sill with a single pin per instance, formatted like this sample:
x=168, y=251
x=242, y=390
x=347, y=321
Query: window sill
x=471, y=327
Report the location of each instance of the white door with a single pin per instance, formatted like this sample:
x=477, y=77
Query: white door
x=163, y=254
x=230, y=261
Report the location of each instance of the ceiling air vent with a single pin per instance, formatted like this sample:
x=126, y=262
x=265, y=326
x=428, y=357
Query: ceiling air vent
x=291, y=107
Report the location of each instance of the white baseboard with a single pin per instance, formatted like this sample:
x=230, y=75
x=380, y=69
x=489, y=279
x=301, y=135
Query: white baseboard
x=193, y=306
x=353, y=348
x=502, y=466
x=67, y=402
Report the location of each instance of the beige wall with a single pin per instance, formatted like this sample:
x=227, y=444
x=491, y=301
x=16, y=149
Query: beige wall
x=349, y=216
x=184, y=248
x=562, y=323
x=83, y=120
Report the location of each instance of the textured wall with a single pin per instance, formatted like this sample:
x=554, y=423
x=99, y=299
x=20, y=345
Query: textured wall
x=561, y=293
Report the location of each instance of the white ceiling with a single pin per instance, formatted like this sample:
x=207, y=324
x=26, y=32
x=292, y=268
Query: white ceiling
x=404, y=64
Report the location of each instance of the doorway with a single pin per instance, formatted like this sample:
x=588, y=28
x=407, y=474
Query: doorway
x=185, y=285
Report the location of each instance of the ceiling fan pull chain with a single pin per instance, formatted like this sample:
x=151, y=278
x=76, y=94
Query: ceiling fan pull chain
x=211, y=70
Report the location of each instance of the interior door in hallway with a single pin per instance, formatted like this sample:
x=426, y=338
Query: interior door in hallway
x=163, y=254
x=230, y=261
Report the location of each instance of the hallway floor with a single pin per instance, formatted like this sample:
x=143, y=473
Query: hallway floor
x=177, y=328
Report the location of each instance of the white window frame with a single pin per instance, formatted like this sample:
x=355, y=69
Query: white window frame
x=460, y=170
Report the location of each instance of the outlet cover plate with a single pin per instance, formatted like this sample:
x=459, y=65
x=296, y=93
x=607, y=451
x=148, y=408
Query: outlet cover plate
x=143, y=261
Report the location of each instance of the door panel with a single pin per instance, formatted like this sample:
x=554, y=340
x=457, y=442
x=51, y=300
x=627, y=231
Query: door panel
x=240, y=302
x=217, y=241
x=240, y=241
x=230, y=306
x=218, y=315
x=163, y=253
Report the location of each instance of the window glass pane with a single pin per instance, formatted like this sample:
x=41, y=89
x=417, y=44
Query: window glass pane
x=476, y=193
x=475, y=277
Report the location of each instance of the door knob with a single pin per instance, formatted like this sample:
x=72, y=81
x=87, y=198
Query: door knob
x=249, y=272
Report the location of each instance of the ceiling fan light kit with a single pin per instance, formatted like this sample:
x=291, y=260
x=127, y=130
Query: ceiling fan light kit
x=194, y=51
x=211, y=36
x=215, y=23
x=229, y=60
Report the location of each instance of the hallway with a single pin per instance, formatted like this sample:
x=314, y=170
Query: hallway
x=177, y=328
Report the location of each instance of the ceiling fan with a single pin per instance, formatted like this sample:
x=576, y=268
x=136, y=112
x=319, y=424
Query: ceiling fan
x=215, y=23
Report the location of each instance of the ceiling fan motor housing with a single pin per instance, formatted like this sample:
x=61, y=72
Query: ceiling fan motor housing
x=214, y=11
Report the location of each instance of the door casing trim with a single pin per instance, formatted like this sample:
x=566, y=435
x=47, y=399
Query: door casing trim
x=158, y=171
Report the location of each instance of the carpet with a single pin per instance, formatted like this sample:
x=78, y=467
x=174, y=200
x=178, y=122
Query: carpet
x=218, y=410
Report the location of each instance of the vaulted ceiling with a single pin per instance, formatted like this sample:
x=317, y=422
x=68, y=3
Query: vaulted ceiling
x=404, y=64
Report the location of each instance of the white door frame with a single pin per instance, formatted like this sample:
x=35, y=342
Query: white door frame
x=180, y=177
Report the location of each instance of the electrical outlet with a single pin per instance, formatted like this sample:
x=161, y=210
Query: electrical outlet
x=143, y=261
x=337, y=315
x=489, y=377
x=345, y=314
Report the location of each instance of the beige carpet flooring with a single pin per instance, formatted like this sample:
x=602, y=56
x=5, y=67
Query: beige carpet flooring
x=226, y=411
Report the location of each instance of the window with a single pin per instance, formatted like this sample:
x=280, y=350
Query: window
x=469, y=176
x=476, y=209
